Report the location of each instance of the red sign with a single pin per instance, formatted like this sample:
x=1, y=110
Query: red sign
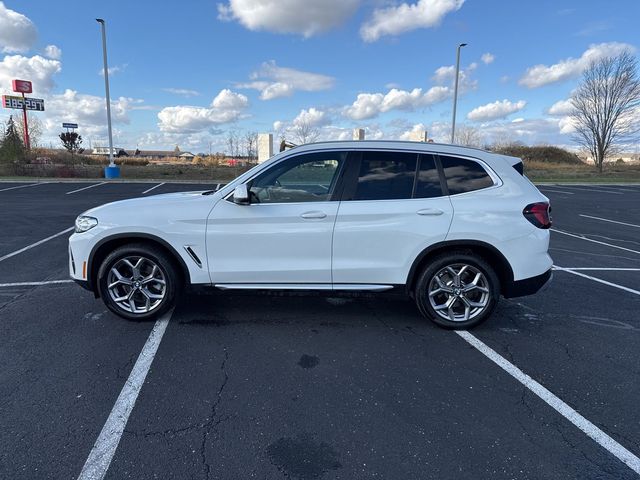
x=22, y=86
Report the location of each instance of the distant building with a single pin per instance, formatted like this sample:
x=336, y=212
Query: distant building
x=148, y=154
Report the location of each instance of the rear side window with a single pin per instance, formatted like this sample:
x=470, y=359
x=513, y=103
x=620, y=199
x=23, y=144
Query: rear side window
x=428, y=183
x=386, y=176
x=464, y=175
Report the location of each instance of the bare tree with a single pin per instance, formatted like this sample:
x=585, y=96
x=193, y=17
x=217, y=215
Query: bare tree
x=304, y=132
x=36, y=128
x=233, y=144
x=468, y=136
x=251, y=146
x=502, y=139
x=606, y=105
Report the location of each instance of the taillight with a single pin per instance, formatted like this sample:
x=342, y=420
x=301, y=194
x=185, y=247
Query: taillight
x=539, y=214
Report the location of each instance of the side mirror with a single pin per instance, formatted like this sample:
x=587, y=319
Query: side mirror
x=241, y=195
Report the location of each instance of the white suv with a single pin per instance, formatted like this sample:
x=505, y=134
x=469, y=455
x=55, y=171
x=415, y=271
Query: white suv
x=453, y=227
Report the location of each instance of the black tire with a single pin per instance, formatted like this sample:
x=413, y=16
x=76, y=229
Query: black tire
x=457, y=259
x=166, y=271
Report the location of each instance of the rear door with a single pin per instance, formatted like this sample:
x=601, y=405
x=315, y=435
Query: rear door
x=393, y=207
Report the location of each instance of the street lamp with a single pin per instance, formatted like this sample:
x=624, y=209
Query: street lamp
x=455, y=92
x=112, y=171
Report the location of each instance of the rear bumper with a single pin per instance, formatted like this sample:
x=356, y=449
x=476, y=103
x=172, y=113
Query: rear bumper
x=528, y=286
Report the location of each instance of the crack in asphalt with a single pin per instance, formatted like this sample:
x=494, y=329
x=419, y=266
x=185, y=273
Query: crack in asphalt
x=211, y=424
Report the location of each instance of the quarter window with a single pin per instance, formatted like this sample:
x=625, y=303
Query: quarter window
x=386, y=176
x=464, y=175
x=303, y=178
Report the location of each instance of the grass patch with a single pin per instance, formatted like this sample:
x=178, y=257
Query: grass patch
x=564, y=172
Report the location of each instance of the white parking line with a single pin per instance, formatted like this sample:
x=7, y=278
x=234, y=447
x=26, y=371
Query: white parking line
x=595, y=241
x=593, y=432
x=599, y=280
x=34, y=284
x=40, y=242
x=592, y=189
x=97, y=464
x=604, y=269
x=607, y=220
x=22, y=186
x=84, y=188
x=147, y=191
x=542, y=188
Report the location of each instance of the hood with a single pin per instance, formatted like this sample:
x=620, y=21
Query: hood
x=155, y=203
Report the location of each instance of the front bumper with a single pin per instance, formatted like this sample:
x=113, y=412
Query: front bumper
x=528, y=286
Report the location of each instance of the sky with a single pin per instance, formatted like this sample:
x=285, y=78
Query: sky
x=187, y=73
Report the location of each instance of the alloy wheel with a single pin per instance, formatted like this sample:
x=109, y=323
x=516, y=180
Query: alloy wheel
x=459, y=292
x=136, y=284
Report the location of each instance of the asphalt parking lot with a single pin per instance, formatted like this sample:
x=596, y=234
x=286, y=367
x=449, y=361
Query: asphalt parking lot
x=257, y=386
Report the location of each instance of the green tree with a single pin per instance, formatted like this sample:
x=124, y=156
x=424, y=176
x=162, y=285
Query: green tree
x=71, y=141
x=11, y=146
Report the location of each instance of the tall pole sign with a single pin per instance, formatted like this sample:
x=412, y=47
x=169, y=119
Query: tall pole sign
x=24, y=86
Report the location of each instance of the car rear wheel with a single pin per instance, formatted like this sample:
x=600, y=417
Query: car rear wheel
x=138, y=282
x=457, y=290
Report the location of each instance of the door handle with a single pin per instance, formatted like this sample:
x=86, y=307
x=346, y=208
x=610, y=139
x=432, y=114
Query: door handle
x=313, y=215
x=430, y=211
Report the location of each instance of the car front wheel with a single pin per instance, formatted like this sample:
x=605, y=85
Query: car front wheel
x=457, y=290
x=138, y=282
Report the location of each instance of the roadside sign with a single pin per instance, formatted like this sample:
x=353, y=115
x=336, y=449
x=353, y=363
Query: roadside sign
x=22, y=86
x=69, y=125
x=11, y=101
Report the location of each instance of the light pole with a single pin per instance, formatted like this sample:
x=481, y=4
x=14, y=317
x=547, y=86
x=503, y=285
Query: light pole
x=455, y=92
x=111, y=171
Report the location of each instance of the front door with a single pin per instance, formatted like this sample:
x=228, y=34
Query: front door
x=284, y=235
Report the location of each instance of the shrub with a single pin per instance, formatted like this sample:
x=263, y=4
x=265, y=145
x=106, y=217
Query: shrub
x=546, y=154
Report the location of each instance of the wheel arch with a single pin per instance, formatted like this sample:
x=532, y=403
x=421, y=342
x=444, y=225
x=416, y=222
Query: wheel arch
x=101, y=249
x=490, y=253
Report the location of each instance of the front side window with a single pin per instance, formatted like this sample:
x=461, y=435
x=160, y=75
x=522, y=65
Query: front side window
x=464, y=175
x=386, y=176
x=304, y=178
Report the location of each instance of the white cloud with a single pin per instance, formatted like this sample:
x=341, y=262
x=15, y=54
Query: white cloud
x=444, y=74
x=88, y=111
x=487, y=58
x=38, y=69
x=51, y=51
x=540, y=75
x=567, y=125
x=17, y=32
x=369, y=105
x=561, y=108
x=535, y=131
x=406, y=17
x=415, y=130
x=306, y=18
x=312, y=117
x=227, y=107
x=114, y=70
x=497, y=109
x=273, y=81
x=183, y=92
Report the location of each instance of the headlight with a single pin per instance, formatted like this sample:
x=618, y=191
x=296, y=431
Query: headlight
x=85, y=223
